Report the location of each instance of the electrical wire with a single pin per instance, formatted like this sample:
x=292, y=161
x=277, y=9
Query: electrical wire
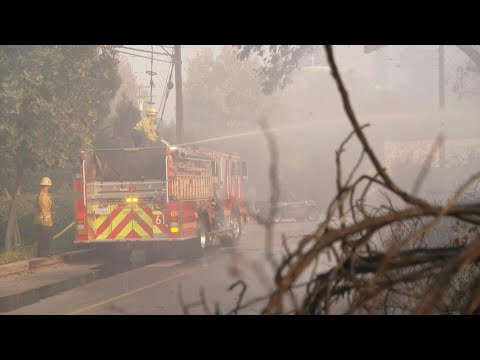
x=167, y=92
x=151, y=73
x=141, y=56
x=146, y=51
x=164, y=90
x=171, y=55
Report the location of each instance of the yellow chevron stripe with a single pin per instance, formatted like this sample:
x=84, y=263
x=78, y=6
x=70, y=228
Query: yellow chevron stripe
x=157, y=230
x=143, y=215
x=119, y=218
x=90, y=220
x=149, y=221
x=102, y=236
x=125, y=231
x=145, y=218
x=139, y=230
x=97, y=221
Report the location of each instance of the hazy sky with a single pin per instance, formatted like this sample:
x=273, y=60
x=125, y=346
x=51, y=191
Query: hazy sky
x=142, y=65
x=396, y=66
x=397, y=74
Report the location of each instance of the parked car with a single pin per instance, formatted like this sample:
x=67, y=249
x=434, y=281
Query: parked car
x=300, y=211
x=287, y=208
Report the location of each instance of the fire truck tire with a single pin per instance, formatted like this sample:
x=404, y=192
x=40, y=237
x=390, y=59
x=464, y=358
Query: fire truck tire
x=195, y=248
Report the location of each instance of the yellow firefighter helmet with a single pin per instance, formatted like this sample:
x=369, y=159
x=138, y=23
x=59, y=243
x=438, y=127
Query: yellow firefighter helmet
x=46, y=181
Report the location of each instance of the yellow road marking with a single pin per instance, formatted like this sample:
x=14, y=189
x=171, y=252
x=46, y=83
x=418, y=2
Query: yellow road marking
x=104, y=302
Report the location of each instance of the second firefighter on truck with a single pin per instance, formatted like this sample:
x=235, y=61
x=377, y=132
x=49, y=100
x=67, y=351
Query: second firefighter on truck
x=145, y=131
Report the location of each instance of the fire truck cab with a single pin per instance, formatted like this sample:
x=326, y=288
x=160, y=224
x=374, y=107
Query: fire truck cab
x=144, y=197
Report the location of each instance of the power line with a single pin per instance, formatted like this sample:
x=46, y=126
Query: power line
x=165, y=50
x=166, y=91
x=151, y=73
x=146, y=51
x=199, y=47
x=141, y=56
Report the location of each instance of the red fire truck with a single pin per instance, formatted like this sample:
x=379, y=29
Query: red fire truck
x=144, y=197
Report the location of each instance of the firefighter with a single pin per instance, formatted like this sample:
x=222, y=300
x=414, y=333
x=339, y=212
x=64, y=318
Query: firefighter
x=145, y=131
x=43, y=218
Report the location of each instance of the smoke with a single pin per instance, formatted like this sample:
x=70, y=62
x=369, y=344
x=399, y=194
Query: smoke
x=123, y=112
x=400, y=102
x=395, y=90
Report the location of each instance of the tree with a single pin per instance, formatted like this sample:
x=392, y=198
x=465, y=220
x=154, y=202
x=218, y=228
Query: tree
x=223, y=95
x=223, y=101
x=278, y=62
x=50, y=100
x=467, y=76
x=114, y=130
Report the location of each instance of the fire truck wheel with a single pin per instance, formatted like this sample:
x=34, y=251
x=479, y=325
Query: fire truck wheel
x=195, y=248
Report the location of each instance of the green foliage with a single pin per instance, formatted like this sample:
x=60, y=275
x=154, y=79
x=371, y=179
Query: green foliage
x=63, y=215
x=51, y=98
x=114, y=130
x=23, y=253
x=278, y=62
x=223, y=95
x=62, y=178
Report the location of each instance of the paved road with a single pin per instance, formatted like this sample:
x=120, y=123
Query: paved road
x=155, y=288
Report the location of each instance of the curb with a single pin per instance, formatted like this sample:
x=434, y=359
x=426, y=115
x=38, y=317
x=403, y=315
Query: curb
x=36, y=263
x=78, y=255
x=28, y=297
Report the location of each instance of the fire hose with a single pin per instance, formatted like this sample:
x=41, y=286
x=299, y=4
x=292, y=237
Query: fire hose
x=63, y=231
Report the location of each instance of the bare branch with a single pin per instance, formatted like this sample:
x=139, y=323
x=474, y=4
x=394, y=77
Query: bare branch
x=361, y=136
x=274, y=185
x=242, y=293
x=426, y=166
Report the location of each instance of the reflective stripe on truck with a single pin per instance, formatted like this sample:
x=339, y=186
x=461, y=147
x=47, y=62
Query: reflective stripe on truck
x=126, y=221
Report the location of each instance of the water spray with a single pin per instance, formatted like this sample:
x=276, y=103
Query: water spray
x=251, y=133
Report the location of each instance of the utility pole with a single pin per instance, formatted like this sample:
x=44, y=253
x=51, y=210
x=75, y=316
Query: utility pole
x=177, y=55
x=441, y=76
x=441, y=95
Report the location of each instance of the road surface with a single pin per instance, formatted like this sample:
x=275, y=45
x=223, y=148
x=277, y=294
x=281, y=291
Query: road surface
x=156, y=288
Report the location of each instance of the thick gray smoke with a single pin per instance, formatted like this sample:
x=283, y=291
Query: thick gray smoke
x=396, y=92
